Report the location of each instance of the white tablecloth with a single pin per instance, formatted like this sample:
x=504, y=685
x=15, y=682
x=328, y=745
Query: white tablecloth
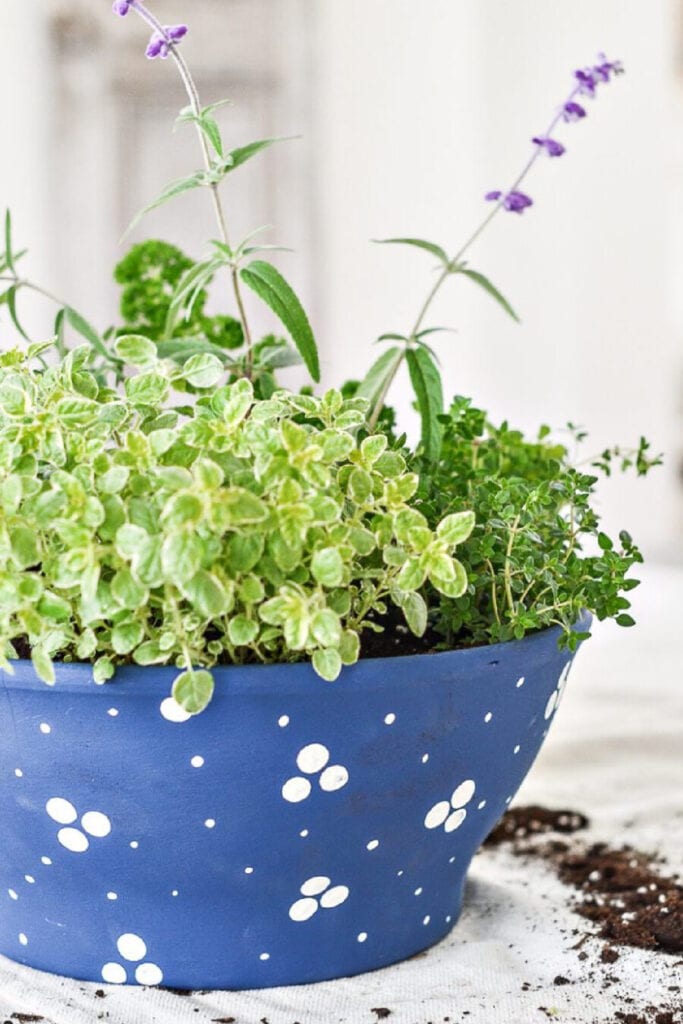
x=615, y=754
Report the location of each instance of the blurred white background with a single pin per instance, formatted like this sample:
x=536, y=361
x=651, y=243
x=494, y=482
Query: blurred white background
x=409, y=112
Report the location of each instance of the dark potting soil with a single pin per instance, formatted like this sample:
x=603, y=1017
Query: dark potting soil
x=622, y=890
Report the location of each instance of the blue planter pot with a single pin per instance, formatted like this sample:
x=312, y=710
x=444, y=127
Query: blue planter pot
x=297, y=831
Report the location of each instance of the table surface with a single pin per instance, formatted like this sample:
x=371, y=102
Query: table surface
x=615, y=753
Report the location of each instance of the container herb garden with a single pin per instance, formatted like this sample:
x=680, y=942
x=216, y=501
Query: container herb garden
x=269, y=675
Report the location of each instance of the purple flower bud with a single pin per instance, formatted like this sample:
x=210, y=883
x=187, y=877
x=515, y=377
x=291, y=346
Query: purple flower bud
x=158, y=47
x=551, y=146
x=122, y=7
x=517, y=202
x=160, y=44
x=176, y=32
x=606, y=68
x=514, y=202
x=573, y=111
x=586, y=80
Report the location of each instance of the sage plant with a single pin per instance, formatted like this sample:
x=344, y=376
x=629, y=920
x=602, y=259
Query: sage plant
x=412, y=347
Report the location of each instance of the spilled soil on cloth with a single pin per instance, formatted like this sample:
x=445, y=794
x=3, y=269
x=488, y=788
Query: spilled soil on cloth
x=626, y=895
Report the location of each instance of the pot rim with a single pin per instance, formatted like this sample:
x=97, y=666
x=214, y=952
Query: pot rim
x=293, y=677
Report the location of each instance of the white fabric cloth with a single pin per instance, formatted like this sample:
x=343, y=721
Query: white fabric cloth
x=615, y=753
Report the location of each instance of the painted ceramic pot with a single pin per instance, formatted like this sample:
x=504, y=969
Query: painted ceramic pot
x=296, y=831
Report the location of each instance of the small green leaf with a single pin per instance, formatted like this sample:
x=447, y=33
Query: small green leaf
x=207, y=594
x=426, y=381
x=269, y=284
x=181, y=556
x=417, y=243
x=147, y=389
x=455, y=529
x=240, y=156
x=175, y=188
x=242, y=631
x=203, y=370
x=126, y=637
x=42, y=663
x=136, y=350
x=454, y=587
x=328, y=664
x=327, y=567
x=193, y=691
x=484, y=283
x=415, y=610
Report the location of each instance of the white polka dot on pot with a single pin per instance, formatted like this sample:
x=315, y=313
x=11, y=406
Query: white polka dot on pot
x=149, y=974
x=210, y=823
x=283, y=721
x=488, y=717
x=372, y=845
x=264, y=956
x=23, y=939
x=72, y=839
x=173, y=712
x=390, y=719
x=113, y=712
x=363, y=937
x=114, y=974
x=131, y=947
x=18, y=772
x=197, y=761
x=61, y=811
x=45, y=728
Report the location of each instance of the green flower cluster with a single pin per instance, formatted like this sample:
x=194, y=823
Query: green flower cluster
x=232, y=530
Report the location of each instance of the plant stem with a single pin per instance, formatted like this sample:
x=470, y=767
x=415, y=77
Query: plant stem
x=195, y=104
x=22, y=283
x=452, y=266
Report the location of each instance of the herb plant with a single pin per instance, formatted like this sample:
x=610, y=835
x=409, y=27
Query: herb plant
x=163, y=501
x=231, y=530
x=537, y=556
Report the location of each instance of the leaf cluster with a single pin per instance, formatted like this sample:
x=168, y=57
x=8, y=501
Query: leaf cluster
x=231, y=530
x=537, y=556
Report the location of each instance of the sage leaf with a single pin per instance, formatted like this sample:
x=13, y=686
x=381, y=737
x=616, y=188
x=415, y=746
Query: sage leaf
x=484, y=283
x=270, y=286
x=417, y=243
x=426, y=381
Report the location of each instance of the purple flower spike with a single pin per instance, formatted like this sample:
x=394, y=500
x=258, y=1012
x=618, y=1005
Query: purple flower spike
x=517, y=202
x=573, y=111
x=551, y=146
x=493, y=197
x=122, y=7
x=586, y=80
